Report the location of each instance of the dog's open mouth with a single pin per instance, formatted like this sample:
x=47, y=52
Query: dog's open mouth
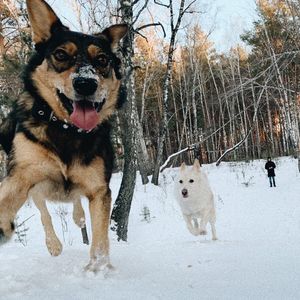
x=83, y=113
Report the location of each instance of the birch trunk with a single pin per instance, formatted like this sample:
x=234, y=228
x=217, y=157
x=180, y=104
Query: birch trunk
x=122, y=205
x=164, y=121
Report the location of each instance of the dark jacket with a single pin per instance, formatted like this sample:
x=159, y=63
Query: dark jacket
x=270, y=166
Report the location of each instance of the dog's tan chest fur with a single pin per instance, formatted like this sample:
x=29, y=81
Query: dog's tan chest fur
x=35, y=164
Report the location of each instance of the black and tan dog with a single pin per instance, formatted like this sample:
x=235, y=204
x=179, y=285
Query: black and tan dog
x=57, y=135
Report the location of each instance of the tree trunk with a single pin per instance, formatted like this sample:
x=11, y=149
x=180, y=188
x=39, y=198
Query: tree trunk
x=121, y=209
x=164, y=121
x=122, y=205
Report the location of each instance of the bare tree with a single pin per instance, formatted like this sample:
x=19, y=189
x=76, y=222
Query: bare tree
x=132, y=131
x=174, y=26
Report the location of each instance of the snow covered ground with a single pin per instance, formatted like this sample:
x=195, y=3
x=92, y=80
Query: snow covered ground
x=257, y=255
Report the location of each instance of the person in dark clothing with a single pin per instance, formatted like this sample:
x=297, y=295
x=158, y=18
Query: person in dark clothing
x=270, y=167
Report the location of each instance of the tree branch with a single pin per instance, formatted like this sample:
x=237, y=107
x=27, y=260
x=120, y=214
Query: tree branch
x=161, y=4
x=140, y=11
x=234, y=147
x=150, y=25
x=188, y=7
x=164, y=166
x=143, y=36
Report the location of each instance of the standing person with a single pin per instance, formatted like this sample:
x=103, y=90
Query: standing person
x=270, y=167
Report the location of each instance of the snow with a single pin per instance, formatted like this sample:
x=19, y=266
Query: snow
x=257, y=255
x=85, y=72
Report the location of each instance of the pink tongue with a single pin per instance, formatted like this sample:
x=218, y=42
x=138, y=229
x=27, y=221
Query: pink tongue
x=84, y=116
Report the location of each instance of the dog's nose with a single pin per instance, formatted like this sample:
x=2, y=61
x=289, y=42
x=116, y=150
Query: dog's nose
x=85, y=86
x=184, y=192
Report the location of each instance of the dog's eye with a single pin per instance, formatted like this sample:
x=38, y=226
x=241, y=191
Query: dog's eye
x=180, y=181
x=191, y=180
x=102, y=60
x=61, y=55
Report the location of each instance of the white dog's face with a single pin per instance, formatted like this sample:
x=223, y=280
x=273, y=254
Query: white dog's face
x=188, y=180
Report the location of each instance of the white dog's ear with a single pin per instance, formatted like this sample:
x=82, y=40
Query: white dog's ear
x=182, y=167
x=196, y=165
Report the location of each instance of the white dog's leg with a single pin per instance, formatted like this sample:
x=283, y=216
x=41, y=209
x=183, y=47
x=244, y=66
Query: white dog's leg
x=213, y=230
x=212, y=221
x=203, y=223
x=190, y=226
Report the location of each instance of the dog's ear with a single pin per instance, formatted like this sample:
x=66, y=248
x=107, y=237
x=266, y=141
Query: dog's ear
x=196, y=165
x=115, y=33
x=43, y=20
x=182, y=167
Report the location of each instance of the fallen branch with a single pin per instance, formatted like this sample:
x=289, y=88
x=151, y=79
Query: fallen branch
x=192, y=147
x=233, y=148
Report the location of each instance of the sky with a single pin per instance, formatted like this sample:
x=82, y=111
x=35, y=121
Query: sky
x=232, y=17
x=225, y=19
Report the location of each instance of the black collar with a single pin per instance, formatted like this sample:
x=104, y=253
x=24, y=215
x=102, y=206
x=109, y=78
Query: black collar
x=43, y=112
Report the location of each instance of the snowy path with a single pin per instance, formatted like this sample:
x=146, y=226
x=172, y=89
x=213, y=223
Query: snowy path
x=257, y=255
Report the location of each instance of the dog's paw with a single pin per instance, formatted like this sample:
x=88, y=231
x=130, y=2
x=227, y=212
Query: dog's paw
x=6, y=231
x=78, y=215
x=203, y=232
x=103, y=265
x=193, y=231
x=54, y=246
x=79, y=220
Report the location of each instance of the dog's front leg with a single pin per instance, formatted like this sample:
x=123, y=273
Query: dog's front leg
x=99, y=206
x=203, y=223
x=192, y=229
x=13, y=193
x=53, y=243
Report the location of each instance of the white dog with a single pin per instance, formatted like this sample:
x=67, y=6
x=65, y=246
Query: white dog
x=196, y=200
